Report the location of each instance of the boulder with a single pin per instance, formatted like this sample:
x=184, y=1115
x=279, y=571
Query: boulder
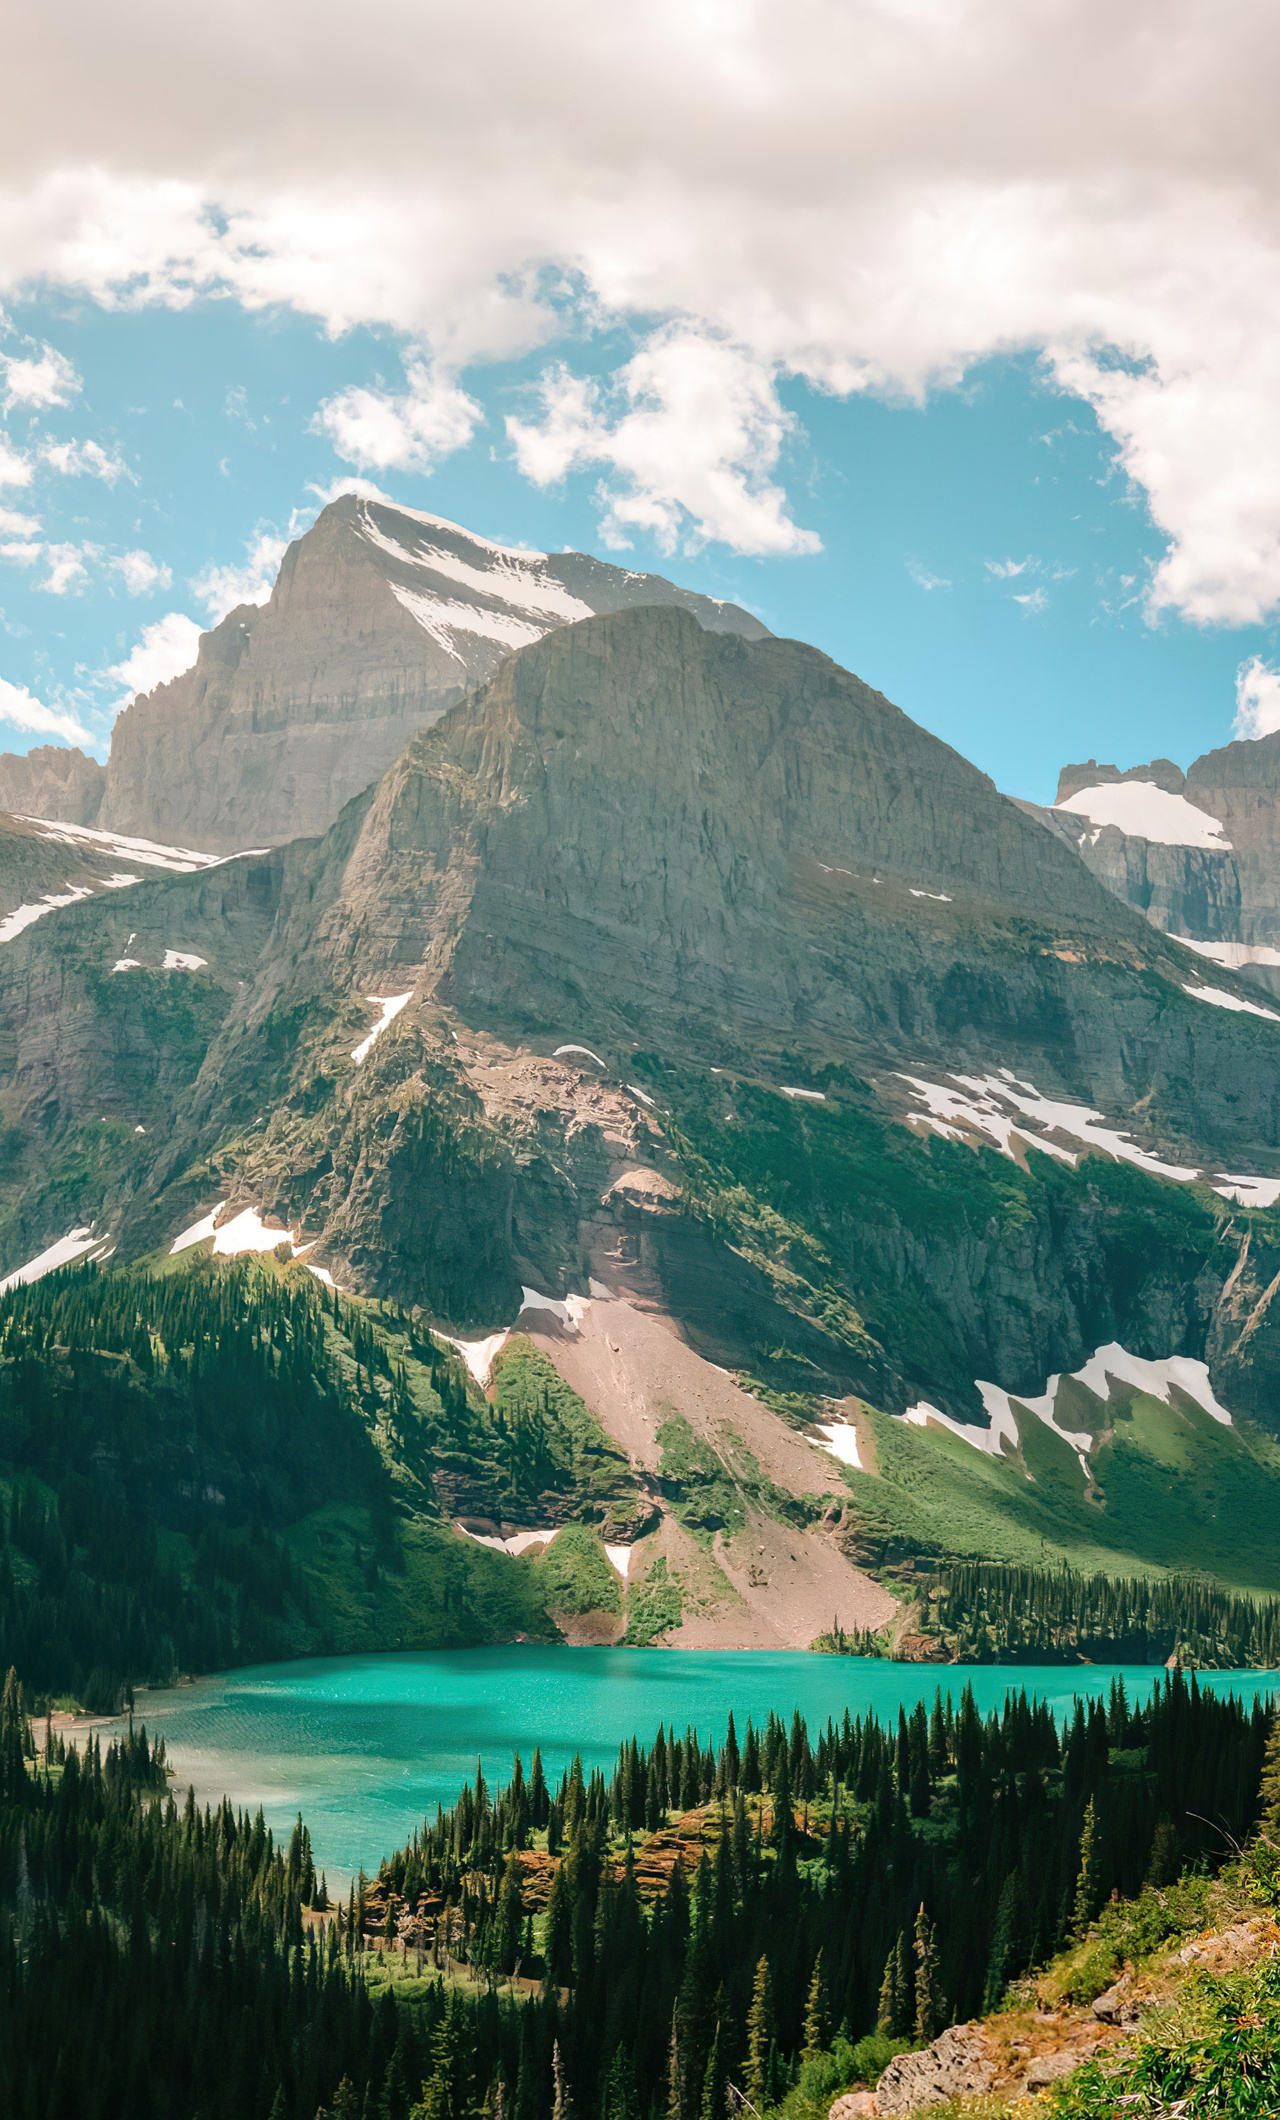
x=958, y=2064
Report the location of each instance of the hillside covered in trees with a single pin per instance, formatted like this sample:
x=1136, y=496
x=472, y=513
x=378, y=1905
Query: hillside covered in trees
x=230, y=1463
x=699, y=1919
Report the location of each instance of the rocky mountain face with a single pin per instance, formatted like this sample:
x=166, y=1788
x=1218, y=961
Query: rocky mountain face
x=1198, y=854
x=380, y=619
x=52, y=781
x=660, y=963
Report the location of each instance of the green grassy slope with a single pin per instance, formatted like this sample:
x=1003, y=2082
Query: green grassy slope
x=1172, y=1491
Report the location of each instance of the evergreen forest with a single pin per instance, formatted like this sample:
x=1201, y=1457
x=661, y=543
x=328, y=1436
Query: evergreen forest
x=703, y=1924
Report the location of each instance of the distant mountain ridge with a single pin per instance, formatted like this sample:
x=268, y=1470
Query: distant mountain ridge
x=1198, y=854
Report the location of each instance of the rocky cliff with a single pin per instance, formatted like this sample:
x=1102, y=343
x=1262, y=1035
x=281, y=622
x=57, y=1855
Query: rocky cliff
x=1198, y=854
x=381, y=618
x=52, y=781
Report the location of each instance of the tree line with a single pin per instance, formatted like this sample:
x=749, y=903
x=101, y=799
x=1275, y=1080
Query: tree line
x=981, y=1611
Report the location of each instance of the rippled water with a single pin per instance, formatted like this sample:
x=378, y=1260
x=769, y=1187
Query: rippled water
x=366, y=1747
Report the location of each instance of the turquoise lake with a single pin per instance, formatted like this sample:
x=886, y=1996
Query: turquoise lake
x=366, y=1747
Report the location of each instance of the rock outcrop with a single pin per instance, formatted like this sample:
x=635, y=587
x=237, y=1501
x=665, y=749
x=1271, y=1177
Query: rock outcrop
x=380, y=620
x=52, y=781
x=1224, y=900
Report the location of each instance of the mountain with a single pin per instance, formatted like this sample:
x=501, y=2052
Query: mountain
x=52, y=780
x=380, y=619
x=675, y=997
x=1198, y=854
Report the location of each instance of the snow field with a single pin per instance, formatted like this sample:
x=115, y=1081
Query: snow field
x=1145, y=811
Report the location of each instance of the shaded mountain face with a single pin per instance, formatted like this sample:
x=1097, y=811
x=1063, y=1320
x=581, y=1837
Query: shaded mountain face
x=662, y=961
x=380, y=620
x=1197, y=854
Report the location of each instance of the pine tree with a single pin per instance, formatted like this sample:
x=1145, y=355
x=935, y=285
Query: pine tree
x=675, y=2072
x=759, y=2035
x=712, y=2107
x=560, y=2105
x=926, y=2023
x=1087, y=1876
x=887, y=2013
x=815, y=2013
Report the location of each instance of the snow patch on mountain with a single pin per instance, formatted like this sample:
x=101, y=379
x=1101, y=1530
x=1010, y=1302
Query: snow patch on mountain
x=245, y=1232
x=77, y=1244
x=479, y=1355
x=840, y=1439
x=443, y=620
x=997, y=1108
x=1232, y=956
x=183, y=861
x=1107, y=1365
x=1145, y=811
x=1217, y=997
x=22, y=916
x=1248, y=1192
x=390, y=1005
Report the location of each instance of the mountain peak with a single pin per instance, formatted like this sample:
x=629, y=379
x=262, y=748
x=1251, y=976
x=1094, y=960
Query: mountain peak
x=381, y=619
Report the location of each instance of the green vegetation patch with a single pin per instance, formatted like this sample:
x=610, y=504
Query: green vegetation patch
x=574, y=1574
x=654, y=1606
x=551, y=1444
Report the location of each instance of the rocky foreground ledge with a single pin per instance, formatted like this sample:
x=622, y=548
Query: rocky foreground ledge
x=1026, y=2048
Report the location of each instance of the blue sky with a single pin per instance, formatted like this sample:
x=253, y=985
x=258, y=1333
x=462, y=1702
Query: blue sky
x=904, y=324
x=923, y=513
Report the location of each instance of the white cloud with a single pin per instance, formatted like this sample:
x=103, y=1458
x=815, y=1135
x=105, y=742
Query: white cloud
x=867, y=194
x=12, y=524
x=345, y=483
x=696, y=442
x=923, y=579
x=1034, y=600
x=15, y=469
x=18, y=710
x=220, y=589
x=140, y=573
x=165, y=650
x=80, y=459
x=22, y=553
x=1007, y=570
x=66, y=564
x=41, y=380
x=409, y=430
x=1257, y=698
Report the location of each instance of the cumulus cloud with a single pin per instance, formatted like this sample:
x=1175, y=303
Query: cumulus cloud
x=693, y=431
x=19, y=710
x=67, y=569
x=39, y=380
x=14, y=524
x=407, y=430
x=867, y=195
x=1257, y=698
x=140, y=573
x=165, y=650
x=15, y=469
x=84, y=459
x=220, y=589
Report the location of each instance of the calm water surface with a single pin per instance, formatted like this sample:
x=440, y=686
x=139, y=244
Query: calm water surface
x=366, y=1747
